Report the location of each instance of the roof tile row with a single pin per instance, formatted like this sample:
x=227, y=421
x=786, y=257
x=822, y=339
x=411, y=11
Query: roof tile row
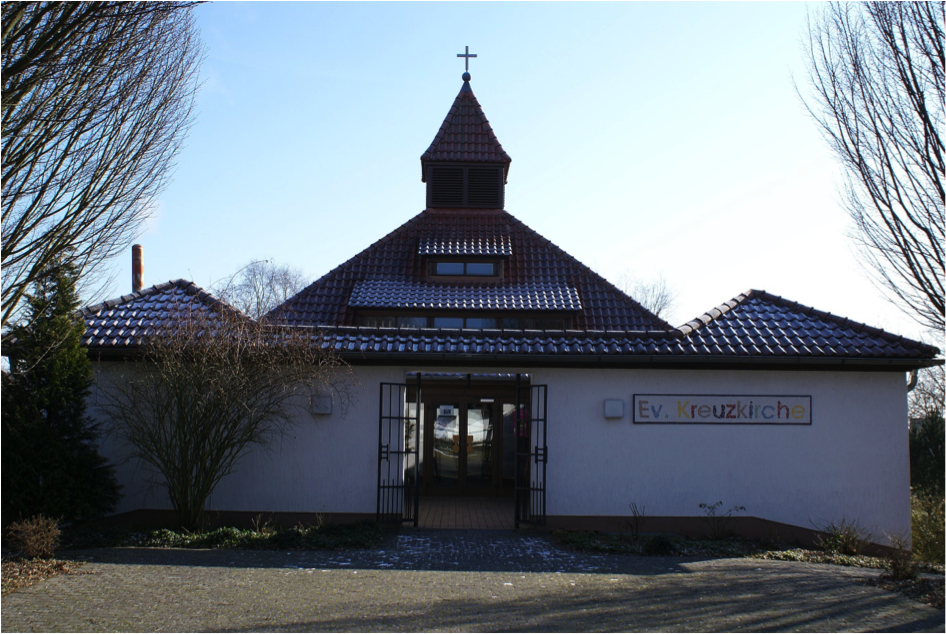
x=754, y=325
x=411, y=295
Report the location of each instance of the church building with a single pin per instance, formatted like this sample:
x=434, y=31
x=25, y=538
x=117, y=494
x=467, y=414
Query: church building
x=492, y=364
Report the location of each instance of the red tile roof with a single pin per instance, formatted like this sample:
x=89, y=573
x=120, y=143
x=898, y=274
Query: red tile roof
x=757, y=323
x=753, y=327
x=532, y=260
x=465, y=136
x=504, y=297
x=122, y=322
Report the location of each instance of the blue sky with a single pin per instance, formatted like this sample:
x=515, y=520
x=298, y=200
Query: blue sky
x=647, y=139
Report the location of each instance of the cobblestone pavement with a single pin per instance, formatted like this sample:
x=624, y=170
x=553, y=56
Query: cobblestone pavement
x=455, y=581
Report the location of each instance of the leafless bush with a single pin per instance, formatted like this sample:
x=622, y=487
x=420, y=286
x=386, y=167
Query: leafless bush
x=900, y=564
x=35, y=537
x=209, y=385
x=844, y=537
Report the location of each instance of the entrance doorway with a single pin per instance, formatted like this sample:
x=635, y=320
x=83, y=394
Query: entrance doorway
x=468, y=445
x=462, y=436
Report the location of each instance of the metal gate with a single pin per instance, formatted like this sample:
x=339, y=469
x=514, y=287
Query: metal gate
x=398, y=444
x=531, y=455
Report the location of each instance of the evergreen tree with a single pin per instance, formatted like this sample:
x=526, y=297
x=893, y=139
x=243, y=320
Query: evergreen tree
x=50, y=461
x=927, y=463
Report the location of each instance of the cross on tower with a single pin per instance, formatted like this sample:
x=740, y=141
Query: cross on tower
x=467, y=55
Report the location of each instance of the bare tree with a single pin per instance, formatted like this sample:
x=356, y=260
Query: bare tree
x=208, y=386
x=97, y=99
x=261, y=286
x=877, y=73
x=928, y=393
x=655, y=295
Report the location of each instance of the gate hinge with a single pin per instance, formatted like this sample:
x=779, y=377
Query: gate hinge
x=541, y=455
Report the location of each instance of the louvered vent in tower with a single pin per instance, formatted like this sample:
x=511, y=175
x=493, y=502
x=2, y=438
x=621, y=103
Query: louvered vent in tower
x=485, y=187
x=465, y=186
x=445, y=187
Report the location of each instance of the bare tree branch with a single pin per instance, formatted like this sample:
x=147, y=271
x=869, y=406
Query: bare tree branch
x=97, y=99
x=877, y=71
x=655, y=295
x=260, y=286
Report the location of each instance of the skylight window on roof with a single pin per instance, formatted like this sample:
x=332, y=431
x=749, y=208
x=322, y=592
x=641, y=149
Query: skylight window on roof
x=465, y=269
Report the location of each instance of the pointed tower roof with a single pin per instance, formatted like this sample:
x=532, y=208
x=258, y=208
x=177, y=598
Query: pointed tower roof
x=465, y=136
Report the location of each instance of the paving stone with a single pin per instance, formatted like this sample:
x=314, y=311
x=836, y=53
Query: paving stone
x=455, y=581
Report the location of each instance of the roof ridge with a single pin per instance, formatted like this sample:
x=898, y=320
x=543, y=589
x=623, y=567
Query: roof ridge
x=188, y=286
x=145, y=292
x=708, y=317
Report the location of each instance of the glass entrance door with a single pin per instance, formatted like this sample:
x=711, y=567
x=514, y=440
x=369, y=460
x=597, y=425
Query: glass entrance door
x=480, y=445
x=464, y=447
x=446, y=445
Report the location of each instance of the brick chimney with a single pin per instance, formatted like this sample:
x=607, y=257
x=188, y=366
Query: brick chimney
x=137, y=267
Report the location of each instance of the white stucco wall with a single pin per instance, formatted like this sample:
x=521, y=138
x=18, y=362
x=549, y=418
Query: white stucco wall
x=851, y=463
x=326, y=464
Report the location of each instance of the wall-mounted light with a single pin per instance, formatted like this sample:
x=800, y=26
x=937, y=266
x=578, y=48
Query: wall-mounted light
x=613, y=408
x=321, y=405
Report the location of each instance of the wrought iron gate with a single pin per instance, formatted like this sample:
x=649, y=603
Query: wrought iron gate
x=398, y=444
x=531, y=455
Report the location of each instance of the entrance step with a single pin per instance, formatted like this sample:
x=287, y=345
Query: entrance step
x=491, y=513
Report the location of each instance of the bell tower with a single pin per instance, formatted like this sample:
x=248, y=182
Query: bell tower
x=465, y=166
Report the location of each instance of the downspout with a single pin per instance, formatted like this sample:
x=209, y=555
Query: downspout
x=914, y=375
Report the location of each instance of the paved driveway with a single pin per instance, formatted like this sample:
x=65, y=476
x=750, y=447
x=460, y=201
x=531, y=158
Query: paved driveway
x=455, y=581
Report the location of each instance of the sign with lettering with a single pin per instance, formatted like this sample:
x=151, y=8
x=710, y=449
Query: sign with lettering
x=715, y=409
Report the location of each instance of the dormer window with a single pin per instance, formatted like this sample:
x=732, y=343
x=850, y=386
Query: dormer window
x=464, y=269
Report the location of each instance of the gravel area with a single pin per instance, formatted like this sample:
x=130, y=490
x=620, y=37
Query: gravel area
x=455, y=581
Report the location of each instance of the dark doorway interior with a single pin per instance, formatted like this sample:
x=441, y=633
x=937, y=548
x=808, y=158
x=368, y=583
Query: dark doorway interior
x=468, y=434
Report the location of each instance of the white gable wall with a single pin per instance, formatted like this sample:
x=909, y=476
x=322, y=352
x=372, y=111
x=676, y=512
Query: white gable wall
x=851, y=462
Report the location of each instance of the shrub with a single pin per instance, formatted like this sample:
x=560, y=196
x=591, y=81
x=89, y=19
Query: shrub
x=900, y=565
x=35, y=537
x=926, y=520
x=927, y=466
x=843, y=538
x=718, y=523
x=658, y=545
x=634, y=523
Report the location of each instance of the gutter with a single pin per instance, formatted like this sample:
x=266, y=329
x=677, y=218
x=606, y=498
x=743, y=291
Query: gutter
x=613, y=361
